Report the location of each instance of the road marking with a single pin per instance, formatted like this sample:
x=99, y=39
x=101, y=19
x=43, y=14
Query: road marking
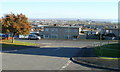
x=65, y=65
x=46, y=43
x=57, y=49
x=10, y=51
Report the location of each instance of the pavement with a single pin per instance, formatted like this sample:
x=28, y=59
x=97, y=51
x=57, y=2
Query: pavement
x=87, y=57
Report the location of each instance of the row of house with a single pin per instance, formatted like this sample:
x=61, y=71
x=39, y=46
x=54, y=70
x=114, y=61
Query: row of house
x=111, y=33
x=76, y=32
x=61, y=32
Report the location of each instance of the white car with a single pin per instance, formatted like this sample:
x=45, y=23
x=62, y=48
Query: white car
x=33, y=36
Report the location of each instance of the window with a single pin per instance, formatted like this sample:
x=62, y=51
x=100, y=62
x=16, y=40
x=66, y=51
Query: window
x=54, y=36
x=67, y=30
x=67, y=36
x=107, y=31
x=46, y=36
x=46, y=29
x=54, y=30
x=111, y=31
x=75, y=30
x=75, y=37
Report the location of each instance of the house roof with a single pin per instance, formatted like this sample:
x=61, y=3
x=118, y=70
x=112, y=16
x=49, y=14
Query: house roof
x=112, y=29
x=64, y=26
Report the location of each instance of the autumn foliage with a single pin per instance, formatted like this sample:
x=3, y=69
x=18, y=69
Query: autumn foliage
x=15, y=24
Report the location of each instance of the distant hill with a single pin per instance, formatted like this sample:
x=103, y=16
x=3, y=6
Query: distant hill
x=101, y=20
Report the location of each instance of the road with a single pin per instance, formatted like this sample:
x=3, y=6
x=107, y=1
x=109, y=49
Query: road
x=55, y=57
x=69, y=43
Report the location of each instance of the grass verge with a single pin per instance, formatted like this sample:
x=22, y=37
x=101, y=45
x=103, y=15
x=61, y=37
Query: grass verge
x=7, y=43
x=108, y=51
x=109, y=58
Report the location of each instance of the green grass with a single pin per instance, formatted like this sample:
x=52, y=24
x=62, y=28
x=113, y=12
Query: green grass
x=110, y=46
x=7, y=43
x=109, y=58
x=106, y=52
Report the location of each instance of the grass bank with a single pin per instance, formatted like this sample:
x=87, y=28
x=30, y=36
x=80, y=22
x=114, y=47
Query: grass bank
x=109, y=58
x=108, y=51
x=7, y=43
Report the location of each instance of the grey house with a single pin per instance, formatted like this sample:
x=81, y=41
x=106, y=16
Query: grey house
x=111, y=33
x=62, y=32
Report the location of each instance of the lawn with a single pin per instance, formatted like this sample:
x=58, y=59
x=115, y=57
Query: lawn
x=109, y=58
x=7, y=43
x=108, y=51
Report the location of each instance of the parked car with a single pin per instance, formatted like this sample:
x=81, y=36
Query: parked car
x=33, y=36
x=3, y=36
x=37, y=34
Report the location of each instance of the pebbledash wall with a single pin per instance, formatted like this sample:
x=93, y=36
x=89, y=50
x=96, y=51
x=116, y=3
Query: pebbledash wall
x=63, y=32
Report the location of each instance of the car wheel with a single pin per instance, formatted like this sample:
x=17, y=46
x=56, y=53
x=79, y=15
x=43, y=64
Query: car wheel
x=37, y=39
x=29, y=39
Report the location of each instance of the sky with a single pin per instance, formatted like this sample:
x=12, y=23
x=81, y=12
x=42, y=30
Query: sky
x=63, y=9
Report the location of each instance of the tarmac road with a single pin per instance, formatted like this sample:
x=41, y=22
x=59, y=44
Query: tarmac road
x=68, y=43
x=39, y=59
x=55, y=57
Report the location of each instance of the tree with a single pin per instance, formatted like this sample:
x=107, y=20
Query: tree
x=15, y=24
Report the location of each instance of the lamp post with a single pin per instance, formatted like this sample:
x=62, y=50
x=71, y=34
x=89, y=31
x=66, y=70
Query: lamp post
x=68, y=33
x=100, y=43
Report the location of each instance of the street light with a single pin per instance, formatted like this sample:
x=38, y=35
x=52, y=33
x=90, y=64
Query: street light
x=100, y=43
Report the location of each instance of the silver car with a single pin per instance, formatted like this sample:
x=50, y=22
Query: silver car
x=33, y=36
